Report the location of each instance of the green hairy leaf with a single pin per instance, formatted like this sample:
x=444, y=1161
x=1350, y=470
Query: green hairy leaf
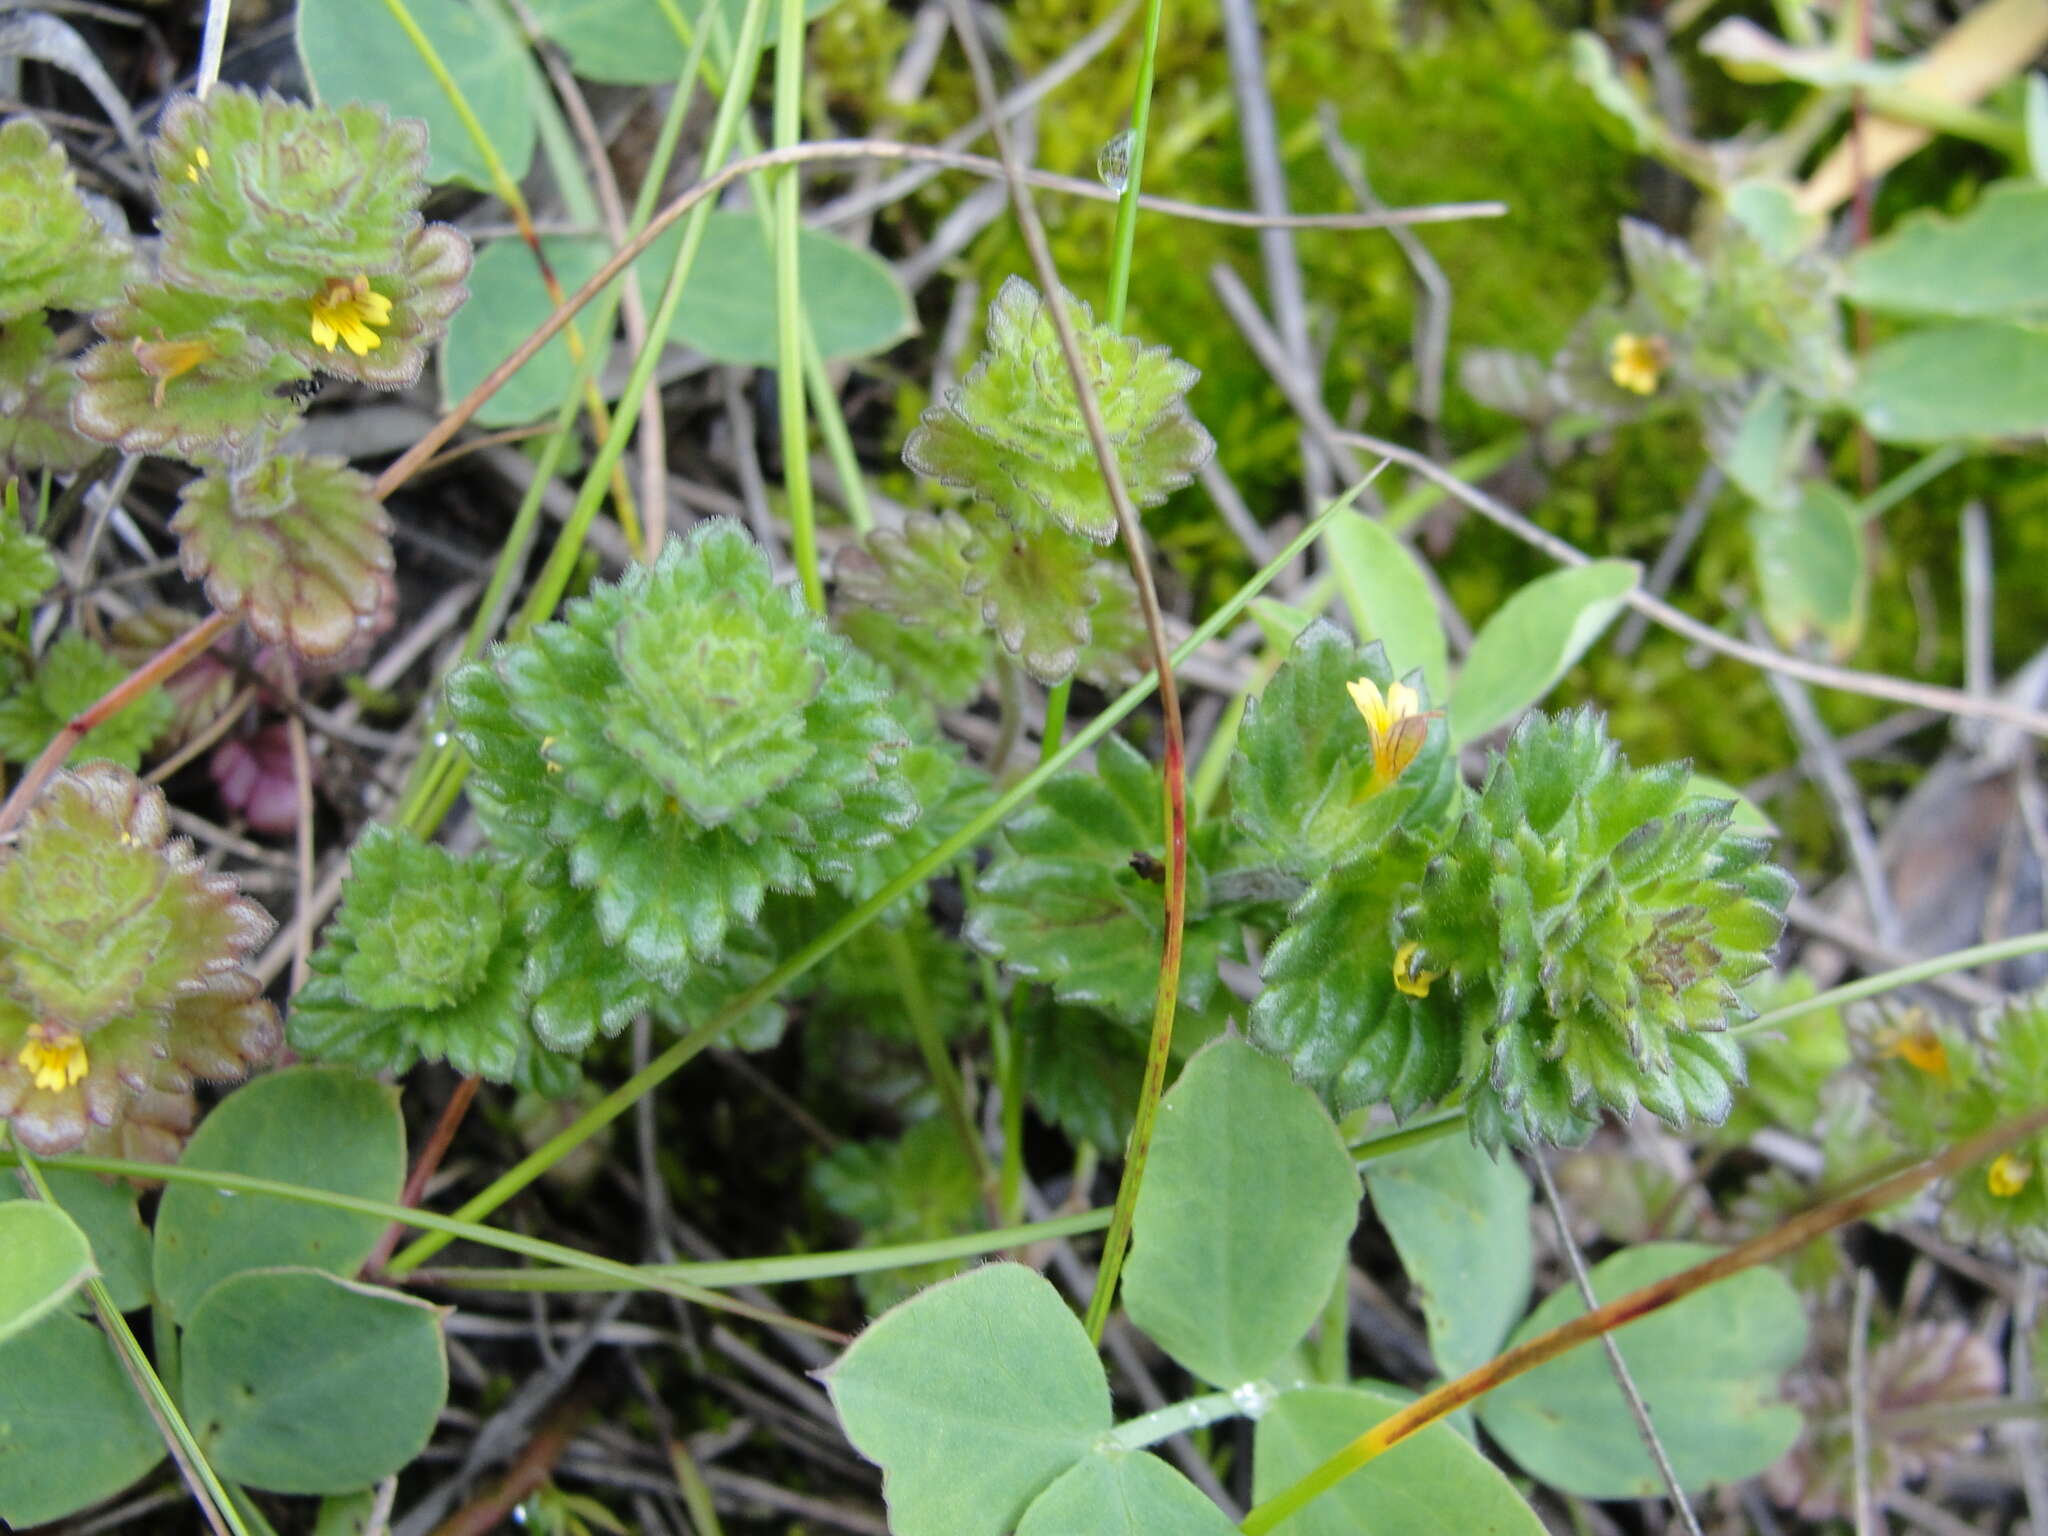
x=605, y=762
x=54, y=254
x=26, y=569
x=1072, y=902
x=1592, y=923
x=1985, y=264
x=121, y=972
x=298, y=548
x=1305, y=786
x=1012, y=436
x=36, y=391
x=423, y=962
x=68, y=679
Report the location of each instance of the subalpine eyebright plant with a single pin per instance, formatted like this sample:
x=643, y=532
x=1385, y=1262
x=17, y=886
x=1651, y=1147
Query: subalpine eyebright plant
x=679, y=745
x=1022, y=552
x=1571, y=940
x=292, y=246
x=122, y=977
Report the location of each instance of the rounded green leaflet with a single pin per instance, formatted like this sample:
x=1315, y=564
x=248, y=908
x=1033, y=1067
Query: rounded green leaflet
x=355, y=50
x=297, y=1382
x=507, y=303
x=1459, y=1218
x=973, y=1397
x=324, y=1127
x=1986, y=263
x=1709, y=1369
x=61, y=1451
x=1389, y=596
x=1224, y=1276
x=632, y=42
x=1972, y=381
x=1123, y=1493
x=46, y=1259
x=1435, y=1484
x=1809, y=564
x=105, y=1213
x=853, y=302
x=1520, y=653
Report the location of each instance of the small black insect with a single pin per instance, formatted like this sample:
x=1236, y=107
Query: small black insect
x=1146, y=867
x=300, y=391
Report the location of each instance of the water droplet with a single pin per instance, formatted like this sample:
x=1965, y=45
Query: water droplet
x=1253, y=1399
x=228, y=1194
x=1113, y=162
x=440, y=738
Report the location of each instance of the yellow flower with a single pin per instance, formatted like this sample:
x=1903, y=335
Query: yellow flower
x=201, y=161
x=1397, y=723
x=56, y=1057
x=164, y=360
x=1408, y=976
x=2008, y=1175
x=1636, y=363
x=345, y=313
x=1915, y=1041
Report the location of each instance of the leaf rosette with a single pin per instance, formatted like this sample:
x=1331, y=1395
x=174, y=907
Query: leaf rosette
x=1012, y=433
x=1593, y=922
x=679, y=744
x=423, y=962
x=308, y=219
x=122, y=972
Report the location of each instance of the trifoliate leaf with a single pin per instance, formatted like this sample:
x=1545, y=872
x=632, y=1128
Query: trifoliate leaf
x=299, y=548
x=1012, y=434
x=68, y=679
x=1076, y=901
x=121, y=972
x=53, y=253
x=1305, y=784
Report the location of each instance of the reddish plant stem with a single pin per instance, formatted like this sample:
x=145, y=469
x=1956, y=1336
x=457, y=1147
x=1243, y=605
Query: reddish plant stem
x=438, y=1142
x=165, y=664
x=1633, y=1307
x=535, y=1464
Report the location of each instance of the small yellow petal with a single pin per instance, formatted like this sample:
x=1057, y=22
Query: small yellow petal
x=324, y=334
x=2008, y=1175
x=56, y=1060
x=1403, y=701
x=1636, y=363
x=1408, y=976
x=1365, y=693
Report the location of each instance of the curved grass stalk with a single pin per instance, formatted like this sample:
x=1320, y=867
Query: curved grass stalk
x=199, y=1476
x=1623, y=1310
x=508, y=193
x=625, y=1276
x=789, y=309
x=670, y=1061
